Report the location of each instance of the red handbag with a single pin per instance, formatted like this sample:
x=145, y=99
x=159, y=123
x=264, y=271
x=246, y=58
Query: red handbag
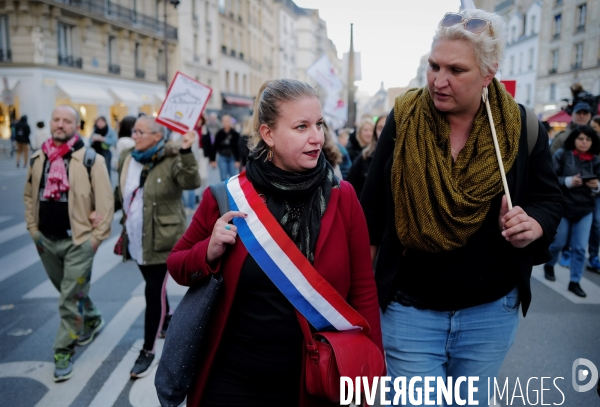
x=330, y=355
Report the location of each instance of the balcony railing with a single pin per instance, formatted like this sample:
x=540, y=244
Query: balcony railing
x=580, y=29
x=552, y=71
x=162, y=77
x=68, y=60
x=556, y=36
x=575, y=66
x=116, y=12
x=232, y=52
x=114, y=69
x=241, y=55
x=5, y=55
x=139, y=73
x=223, y=49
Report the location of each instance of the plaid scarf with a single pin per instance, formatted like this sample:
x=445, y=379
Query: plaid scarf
x=58, y=181
x=439, y=203
x=149, y=158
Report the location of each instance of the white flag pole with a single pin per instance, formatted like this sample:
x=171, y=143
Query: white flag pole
x=485, y=98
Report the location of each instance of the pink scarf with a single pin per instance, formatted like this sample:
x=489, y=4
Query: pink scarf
x=57, y=181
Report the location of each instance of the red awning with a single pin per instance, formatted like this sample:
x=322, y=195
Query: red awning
x=239, y=101
x=560, y=117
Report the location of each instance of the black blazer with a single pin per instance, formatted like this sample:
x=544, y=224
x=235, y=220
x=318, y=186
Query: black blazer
x=532, y=184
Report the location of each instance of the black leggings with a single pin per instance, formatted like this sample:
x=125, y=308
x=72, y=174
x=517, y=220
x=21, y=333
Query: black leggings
x=157, y=304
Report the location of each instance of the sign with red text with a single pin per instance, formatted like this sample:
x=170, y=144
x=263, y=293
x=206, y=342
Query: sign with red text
x=184, y=104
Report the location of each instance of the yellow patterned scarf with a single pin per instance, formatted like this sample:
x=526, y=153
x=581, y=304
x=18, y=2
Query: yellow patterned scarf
x=439, y=203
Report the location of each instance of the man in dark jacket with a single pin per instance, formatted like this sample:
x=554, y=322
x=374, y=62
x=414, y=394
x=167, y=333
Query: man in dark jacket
x=22, y=132
x=581, y=116
x=226, y=152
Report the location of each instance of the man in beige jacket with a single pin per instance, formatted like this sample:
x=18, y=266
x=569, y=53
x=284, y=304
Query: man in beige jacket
x=68, y=210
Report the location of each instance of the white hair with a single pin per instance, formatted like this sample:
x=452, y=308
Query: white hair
x=154, y=126
x=489, y=50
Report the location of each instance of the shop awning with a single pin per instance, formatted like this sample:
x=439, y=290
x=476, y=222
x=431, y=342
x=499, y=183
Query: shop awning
x=238, y=100
x=85, y=93
x=560, y=117
x=125, y=95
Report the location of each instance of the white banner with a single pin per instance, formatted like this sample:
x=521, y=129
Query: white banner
x=322, y=71
x=336, y=108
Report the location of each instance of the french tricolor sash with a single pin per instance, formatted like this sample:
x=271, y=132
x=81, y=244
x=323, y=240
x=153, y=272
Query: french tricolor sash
x=285, y=265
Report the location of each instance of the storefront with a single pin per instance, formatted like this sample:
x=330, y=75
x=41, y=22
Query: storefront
x=37, y=91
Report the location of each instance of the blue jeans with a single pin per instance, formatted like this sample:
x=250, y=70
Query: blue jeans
x=469, y=342
x=189, y=198
x=594, y=242
x=226, y=166
x=580, y=234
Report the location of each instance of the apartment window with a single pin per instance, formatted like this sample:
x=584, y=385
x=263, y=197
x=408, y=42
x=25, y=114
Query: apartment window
x=244, y=90
x=581, y=15
x=236, y=83
x=5, y=51
x=553, y=92
x=557, y=25
x=194, y=11
x=531, y=55
x=578, y=56
x=157, y=9
x=528, y=94
x=160, y=69
x=222, y=6
x=196, y=56
x=139, y=62
x=513, y=34
x=227, y=81
x=554, y=62
x=113, y=56
x=231, y=38
x=65, y=46
x=238, y=8
x=208, y=52
x=533, y=21
x=512, y=65
x=520, y=62
x=559, y=2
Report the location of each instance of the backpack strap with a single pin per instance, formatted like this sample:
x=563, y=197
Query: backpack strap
x=533, y=128
x=88, y=160
x=219, y=192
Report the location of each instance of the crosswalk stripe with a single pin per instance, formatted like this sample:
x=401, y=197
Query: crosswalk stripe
x=93, y=357
x=13, y=231
x=562, y=282
x=118, y=379
x=18, y=261
x=143, y=392
x=104, y=261
x=5, y=218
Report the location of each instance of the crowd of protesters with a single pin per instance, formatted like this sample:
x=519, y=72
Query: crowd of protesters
x=415, y=194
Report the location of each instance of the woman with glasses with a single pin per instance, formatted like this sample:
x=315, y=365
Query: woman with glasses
x=152, y=177
x=453, y=260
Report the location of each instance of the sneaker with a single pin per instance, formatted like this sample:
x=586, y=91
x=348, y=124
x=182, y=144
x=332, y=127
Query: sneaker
x=575, y=288
x=142, y=365
x=63, y=367
x=565, y=259
x=549, y=272
x=163, y=331
x=90, y=328
x=594, y=264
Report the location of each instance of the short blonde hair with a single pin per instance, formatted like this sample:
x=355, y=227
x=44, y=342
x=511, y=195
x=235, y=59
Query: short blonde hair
x=489, y=50
x=271, y=96
x=362, y=124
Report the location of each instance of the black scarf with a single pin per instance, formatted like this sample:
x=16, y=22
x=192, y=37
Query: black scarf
x=297, y=200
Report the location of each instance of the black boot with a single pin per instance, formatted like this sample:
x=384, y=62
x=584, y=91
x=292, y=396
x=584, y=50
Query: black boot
x=549, y=272
x=575, y=288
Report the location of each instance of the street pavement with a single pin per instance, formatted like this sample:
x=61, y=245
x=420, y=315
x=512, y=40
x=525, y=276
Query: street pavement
x=558, y=329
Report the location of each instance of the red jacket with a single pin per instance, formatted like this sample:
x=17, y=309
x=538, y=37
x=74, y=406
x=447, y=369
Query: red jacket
x=342, y=256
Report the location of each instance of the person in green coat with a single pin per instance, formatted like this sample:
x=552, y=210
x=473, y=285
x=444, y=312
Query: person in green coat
x=152, y=178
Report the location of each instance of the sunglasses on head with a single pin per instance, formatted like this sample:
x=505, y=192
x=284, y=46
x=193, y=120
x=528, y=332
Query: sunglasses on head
x=474, y=25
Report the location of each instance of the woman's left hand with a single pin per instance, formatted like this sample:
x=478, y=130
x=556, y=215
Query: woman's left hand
x=188, y=139
x=517, y=227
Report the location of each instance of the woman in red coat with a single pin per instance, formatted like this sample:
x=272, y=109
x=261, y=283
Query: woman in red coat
x=253, y=354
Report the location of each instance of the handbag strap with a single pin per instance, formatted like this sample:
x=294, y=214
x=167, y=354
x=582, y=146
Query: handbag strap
x=291, y=272
x=311, y=347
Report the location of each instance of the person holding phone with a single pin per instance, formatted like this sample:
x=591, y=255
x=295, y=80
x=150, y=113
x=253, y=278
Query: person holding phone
x=577, y=167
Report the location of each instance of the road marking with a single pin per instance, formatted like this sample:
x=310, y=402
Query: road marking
x=17, y=261
x=12, y=232
x=118, y=379
x=41, y=372
x=5, y=218
x=63, y=394
x=562, y=282
x=104, y=261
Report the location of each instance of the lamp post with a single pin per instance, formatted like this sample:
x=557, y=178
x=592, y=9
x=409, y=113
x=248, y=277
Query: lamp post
x=175, y=3
x=351, y=104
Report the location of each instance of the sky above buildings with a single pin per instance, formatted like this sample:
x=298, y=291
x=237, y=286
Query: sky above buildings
x=391, y=35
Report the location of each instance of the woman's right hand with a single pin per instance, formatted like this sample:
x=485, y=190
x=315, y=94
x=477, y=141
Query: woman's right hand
x=223, y=233
x=576, y=180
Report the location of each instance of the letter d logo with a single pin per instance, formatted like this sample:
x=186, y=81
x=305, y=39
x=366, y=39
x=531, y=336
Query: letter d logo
x=583, y=374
